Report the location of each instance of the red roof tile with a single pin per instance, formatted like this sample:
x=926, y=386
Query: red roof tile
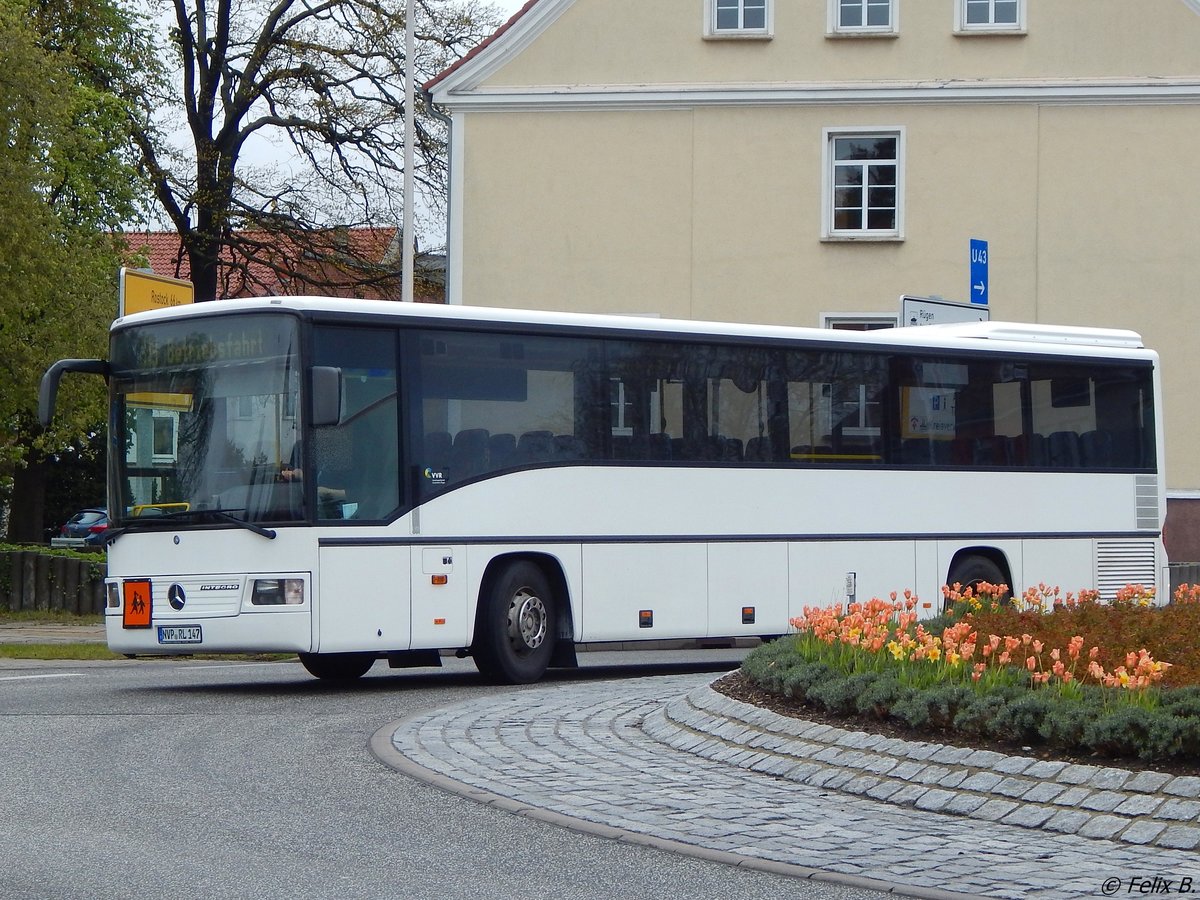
x=277, y=266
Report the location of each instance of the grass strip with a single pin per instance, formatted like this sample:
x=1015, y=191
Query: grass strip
x=91, y=650
x=74, y=650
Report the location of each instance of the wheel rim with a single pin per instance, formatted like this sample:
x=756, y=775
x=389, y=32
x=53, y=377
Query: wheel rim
x=527, y=621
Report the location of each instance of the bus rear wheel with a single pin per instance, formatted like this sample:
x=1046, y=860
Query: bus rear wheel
x=340, y=668
x=517, y=625
x=972, y=571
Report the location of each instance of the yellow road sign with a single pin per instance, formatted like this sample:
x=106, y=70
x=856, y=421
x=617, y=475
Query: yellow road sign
x=141, y=291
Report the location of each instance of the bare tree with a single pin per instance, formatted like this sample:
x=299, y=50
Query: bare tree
x=319, y=84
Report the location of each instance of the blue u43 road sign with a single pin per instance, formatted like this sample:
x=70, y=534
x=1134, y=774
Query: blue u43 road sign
x=979, y=271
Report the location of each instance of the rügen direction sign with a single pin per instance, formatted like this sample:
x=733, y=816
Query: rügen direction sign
x=936, y=311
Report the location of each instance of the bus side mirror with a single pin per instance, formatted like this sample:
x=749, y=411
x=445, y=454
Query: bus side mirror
x=326, y=395
x=48, y=390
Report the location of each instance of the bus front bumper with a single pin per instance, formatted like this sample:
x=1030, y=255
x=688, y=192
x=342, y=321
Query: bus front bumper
x=274, y=631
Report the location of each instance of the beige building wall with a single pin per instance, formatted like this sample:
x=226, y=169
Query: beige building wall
x=715, y=213
x=619, y=162
x=560, y=214
x=649, y=42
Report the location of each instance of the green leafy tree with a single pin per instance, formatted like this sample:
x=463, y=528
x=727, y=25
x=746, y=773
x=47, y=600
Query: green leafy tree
x=320, y=83
x=66, y=182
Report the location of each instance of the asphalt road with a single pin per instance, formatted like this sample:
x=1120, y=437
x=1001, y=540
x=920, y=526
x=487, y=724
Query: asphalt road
x=156, y=779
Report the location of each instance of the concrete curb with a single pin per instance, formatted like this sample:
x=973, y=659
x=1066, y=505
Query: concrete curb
x=47, y=633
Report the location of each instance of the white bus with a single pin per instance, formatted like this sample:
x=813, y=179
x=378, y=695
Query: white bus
x=357, y=480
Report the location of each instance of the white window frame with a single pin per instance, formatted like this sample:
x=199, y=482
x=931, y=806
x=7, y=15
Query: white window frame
x=961, y=26
x=620, y=428
x=711, y=32
x=828, y=161
x=245, y=408
x=838, y=320
x=835, y=28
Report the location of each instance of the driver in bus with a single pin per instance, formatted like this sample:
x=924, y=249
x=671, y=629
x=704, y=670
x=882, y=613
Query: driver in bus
x=290, y=472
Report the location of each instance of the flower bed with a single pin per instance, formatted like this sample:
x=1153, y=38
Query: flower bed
x=1060, y=671
x=1130, y=624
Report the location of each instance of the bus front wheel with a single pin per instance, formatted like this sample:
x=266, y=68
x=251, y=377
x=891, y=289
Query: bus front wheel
x=337, y=667
x=517, y=625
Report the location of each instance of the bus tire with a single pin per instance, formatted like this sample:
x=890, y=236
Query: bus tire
x=973, y=570
x=517, y=625
x=340, y=668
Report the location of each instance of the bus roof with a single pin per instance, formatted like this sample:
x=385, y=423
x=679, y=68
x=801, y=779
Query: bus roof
x=1031, y=333
x=1042, y=337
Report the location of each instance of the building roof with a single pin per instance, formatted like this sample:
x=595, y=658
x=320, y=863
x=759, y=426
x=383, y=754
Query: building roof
x=352, y=262
x=482, y=47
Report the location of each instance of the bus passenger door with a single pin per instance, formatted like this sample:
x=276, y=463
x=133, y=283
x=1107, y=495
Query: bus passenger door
x=365, y=599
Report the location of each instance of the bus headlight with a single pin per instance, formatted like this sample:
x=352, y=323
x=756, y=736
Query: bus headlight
x=278, y=592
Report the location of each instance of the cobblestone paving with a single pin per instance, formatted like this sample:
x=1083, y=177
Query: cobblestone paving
x=1093, y=801
x=668, y=759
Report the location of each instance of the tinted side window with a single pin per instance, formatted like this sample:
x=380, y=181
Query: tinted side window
x=646, y=410
x=487, y=402
x=1015, y=414
x=1093, y=418
x=835, y=403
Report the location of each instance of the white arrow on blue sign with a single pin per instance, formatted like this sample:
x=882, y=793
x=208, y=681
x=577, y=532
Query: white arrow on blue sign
x=979, y=271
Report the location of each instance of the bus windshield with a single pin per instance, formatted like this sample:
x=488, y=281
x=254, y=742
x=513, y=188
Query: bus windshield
x=205, y=417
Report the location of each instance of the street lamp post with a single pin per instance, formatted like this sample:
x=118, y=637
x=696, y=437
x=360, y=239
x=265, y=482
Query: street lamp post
x=406, y=234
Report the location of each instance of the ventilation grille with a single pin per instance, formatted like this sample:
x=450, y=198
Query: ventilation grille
x=1119, y=563
x=1146, y=487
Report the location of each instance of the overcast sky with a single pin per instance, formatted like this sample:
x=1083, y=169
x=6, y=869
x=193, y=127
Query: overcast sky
x=508, y=7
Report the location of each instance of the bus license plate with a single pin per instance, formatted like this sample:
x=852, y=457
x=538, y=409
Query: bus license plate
x=179, y=634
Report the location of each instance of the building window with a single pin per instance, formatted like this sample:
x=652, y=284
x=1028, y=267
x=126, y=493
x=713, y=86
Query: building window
x=737, y=18
x=857, y=321
x=863, y=185
x=165, y=436
x=990, y=16
x=862, y=17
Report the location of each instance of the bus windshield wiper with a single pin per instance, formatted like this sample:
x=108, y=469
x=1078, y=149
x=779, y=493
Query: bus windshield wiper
x=219, y=515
